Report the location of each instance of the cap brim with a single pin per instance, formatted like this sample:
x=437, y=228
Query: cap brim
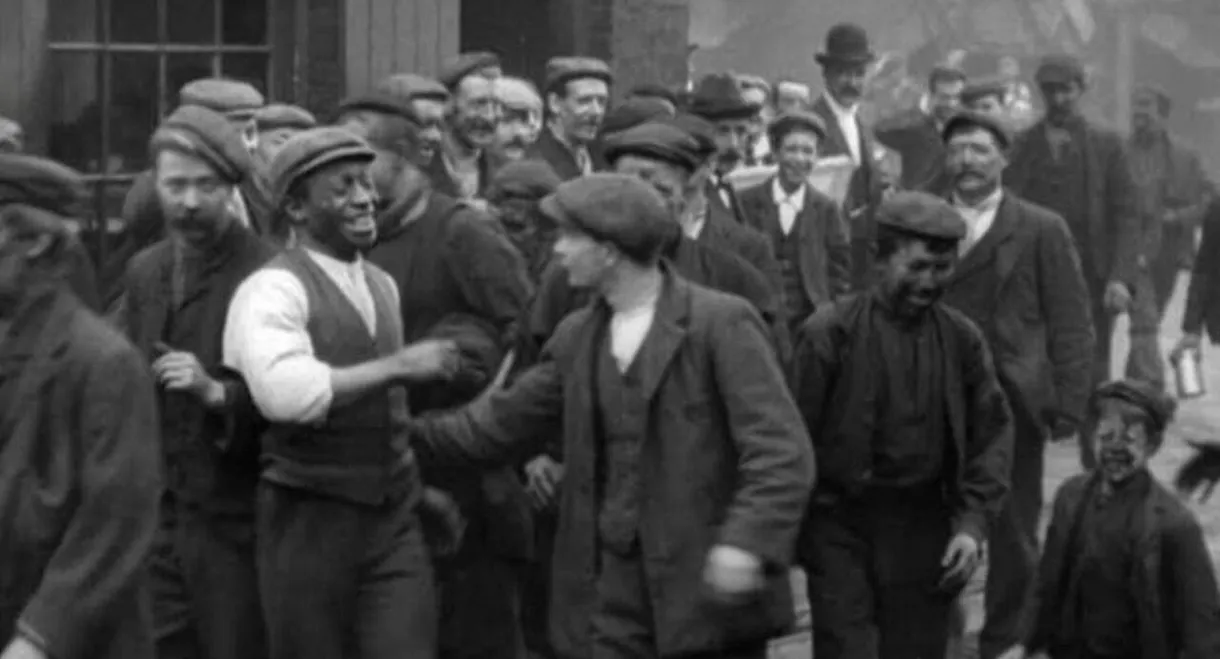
x=865, y=58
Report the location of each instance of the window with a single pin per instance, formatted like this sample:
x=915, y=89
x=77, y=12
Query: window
x=115, y=67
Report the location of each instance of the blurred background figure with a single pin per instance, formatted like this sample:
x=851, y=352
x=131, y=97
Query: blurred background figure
x=12, y=137
x=520, y=117
x=757, y=93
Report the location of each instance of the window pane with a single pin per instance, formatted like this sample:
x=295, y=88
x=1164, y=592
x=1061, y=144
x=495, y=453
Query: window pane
x=74, y=113
x=191, y=22
x=133, y=110
x=133, y=21
x=245, y=22
x=74, y=20
x=181, y=69
x=247, y=67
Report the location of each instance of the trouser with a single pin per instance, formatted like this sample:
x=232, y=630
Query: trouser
x=536, y=587
x=344, y=580
x=1013, y=545
x=874, y=571
x=1145, y=361
x=622, y=624
x=205, y=588
x=480, y=609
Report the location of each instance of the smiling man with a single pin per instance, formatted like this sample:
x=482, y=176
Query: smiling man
x=428, y=99
x=1126, y=571
x=466, y=161
x=913, y=436
x=317, y=335
x=577, y=93
x=521, y=122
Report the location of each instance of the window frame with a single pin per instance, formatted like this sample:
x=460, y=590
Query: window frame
x=105, y=47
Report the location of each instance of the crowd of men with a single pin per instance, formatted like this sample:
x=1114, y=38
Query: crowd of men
x=485, y=370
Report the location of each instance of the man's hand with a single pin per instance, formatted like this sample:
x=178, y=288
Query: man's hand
x=732, y=574
x=960, y=560
x=431, y=359
x=1190, y=341
x=542, y=479
x=21, y=648
x=1117, y=297
x=443, y=522
x=181, y=371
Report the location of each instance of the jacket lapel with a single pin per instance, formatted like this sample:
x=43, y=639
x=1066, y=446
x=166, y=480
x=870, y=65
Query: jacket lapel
x=989, y=248
x=668, y=331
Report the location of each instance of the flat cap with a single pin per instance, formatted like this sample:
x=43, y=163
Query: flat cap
x=281, y=115
x=211, y=137
x=518, y=94
x=523, y=179
x=466, y=64
x=1060, y=70
x=381, y=102
x=232, y=98
x=659, y=141
x=964, y=119
x=921, y=214
x=561, y=70
x=411, y=86
x=654, y=90
x=718, y=96
x=1155, y=94
x=1159, y=406
x=977, y=90
x=41, y=183
x=310, y=150
x=699, y=128
x=633, y=112
x=789, y=122
x=615, y=208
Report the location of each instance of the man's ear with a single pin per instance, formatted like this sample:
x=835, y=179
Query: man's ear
x=294, y=208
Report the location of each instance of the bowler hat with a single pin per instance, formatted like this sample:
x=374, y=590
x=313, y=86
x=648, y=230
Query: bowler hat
x=718, y=96
x=846, y=43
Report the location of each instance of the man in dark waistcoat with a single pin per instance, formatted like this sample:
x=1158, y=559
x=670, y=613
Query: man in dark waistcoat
x=845, y=61
x=688, y=469
x=1126, y=573
x=448, y=258
x=913, y=436
x=577, y=93
x=317, y=336
x=1081, y=172
x=806, y=228
x=1019, y=279
x=1175, y=193
x=143, y=222
x=79, y=471
x=205, y=595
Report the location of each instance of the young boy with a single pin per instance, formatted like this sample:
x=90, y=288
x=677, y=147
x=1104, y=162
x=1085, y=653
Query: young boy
x=1125, y=573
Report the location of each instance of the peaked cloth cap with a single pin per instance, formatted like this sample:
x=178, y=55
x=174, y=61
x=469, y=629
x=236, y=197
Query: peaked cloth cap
x=281, y=115
x=1156, y=94
x=466, y=64
x=973, y=119
x=380, y=101
x=1060, y=70
x=1156, y=403
x=523, y=179
x=633, y=112
x=699, y=128
x=212, y=137
x=922, y=215
x=846, y=43
x=654, y=90
x=659, y=141
x=411, y=86
x=718, y=96
x=561, y=70
x=790, y=122
x=233, y=98
x=977, y=90
x=614, y=208
x=41, y=183
x=518, y=95
x=309, y=151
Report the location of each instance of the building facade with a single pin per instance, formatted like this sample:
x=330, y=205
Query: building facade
x=89, y=79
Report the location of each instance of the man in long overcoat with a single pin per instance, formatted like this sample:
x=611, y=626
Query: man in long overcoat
x=1019, y=280
x=687, y=466
x=80, y=476
x=205, y=593
x=1081, y=171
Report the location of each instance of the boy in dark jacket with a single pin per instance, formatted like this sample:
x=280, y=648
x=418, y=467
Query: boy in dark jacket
x=1125, y=573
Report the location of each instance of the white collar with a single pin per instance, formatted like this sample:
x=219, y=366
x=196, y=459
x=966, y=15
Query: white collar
x=839, y=110
x=797, y=198
x=990, y=203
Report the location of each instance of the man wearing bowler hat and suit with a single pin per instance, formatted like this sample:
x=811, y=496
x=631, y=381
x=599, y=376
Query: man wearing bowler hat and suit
x=845, y=62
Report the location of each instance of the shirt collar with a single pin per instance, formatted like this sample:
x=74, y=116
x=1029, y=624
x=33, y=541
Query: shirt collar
x=990, y=203
x=839, y=110
x=778, y=193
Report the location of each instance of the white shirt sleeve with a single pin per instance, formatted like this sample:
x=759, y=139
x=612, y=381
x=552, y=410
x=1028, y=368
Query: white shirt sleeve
x=266, y=339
